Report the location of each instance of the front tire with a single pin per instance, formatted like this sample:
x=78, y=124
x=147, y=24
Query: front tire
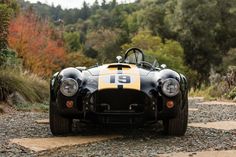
x=59, y=125
x=177, y=126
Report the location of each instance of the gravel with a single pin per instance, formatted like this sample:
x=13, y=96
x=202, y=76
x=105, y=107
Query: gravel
x=212, y=113
x=147, y=141
x=20, y=125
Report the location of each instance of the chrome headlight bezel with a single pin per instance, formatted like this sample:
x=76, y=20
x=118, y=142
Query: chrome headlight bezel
x=170, y=83
x=69, y=87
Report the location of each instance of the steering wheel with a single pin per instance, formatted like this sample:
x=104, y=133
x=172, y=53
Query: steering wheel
x=146, y=65
x=134, y=49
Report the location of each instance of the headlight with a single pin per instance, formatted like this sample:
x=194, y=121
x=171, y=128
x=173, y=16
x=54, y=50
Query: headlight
x=69, y=87
x=170, y=87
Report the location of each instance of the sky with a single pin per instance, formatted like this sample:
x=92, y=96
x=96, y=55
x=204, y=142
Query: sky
x=74, y=3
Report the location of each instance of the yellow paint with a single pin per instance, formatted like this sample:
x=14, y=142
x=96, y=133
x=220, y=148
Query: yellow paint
x=105, y=73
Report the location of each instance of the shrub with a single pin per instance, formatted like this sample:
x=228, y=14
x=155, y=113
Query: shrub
x=218, y=90
x=72, y=41
x=78, y=59
x=231, y=76
x=202, y=92
x=8, y=58
x=232, y=94
x=37, y=43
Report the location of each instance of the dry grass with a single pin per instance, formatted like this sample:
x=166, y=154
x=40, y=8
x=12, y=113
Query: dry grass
x=30, y=86
x=218, y=91
x=203, y=92
x=33, y=107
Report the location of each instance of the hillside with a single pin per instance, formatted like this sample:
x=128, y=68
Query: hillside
x=192, y=37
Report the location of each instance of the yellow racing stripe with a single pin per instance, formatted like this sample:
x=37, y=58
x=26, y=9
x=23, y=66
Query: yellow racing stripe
x=111, y=78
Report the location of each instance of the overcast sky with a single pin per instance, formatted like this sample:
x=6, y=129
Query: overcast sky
x=74, y=3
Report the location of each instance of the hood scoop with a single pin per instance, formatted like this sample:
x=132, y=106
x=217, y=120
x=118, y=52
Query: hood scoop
x=118, y=66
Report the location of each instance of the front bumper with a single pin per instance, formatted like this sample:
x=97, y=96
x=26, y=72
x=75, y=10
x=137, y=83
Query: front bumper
x=120, y=106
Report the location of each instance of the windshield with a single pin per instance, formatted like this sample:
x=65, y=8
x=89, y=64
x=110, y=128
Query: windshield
x=152, y=60
x=134, y=58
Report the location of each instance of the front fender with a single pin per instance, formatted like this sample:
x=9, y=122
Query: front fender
x=59, y=76
x=168, y=73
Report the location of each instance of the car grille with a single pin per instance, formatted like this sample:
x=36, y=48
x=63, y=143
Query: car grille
x=120, y=100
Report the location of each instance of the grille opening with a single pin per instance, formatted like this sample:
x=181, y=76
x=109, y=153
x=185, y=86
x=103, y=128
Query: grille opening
x=159, y=103
x=124, y=100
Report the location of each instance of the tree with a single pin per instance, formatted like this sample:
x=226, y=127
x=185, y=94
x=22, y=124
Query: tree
x=113, y=4
x=157, y=19
x=11, y=4
x=229, y=59
x=32, y=39
x=104, y=4
x=226, y=32
x=135, y=21
x=169, y=52
x=85, y=11
x=7, y=9
x=95, y=6
x=108, y=46
x=78, y=59
x=197, y=25
x=72, y=41
x=5, y=14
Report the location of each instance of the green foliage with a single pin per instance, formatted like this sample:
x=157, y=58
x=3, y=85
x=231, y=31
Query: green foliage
x=8, y=58
x=169, y=53
x=78, y=59
x=105, y=43
x=32, y=88
x=205, y=29
x=216, y=91
x=230, y=77
x=202, y=92
x=72, y=41
x=145, y=41
x=222, y=86
x=229, y=59
x=157, y=18
x=190, y=36
x=7, y=8
x=5, y=14
x=11, y=4
x=232, y=94
x=85, y=11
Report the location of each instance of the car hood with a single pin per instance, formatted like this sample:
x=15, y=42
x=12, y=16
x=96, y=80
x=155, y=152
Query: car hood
x=118, y=68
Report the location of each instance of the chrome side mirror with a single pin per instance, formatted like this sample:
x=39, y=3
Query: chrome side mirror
x=118, y=59
x=163, y=66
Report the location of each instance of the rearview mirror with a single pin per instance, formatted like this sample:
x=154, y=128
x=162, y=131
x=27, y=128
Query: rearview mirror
x=119, y=59
x=163, y=66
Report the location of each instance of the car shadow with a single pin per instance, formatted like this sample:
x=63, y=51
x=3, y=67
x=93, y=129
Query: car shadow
x=128, y=131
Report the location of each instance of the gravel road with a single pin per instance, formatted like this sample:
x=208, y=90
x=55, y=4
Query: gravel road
x=147, y=141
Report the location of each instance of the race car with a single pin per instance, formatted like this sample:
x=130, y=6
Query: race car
x=130, y=91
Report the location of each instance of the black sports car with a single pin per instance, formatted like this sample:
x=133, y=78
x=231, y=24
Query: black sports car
x=131, y=91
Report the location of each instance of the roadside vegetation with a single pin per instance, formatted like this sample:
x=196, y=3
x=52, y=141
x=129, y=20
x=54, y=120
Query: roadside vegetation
x=19, y=87
x=221, y=87
x=195, y=38
x=30, y=86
